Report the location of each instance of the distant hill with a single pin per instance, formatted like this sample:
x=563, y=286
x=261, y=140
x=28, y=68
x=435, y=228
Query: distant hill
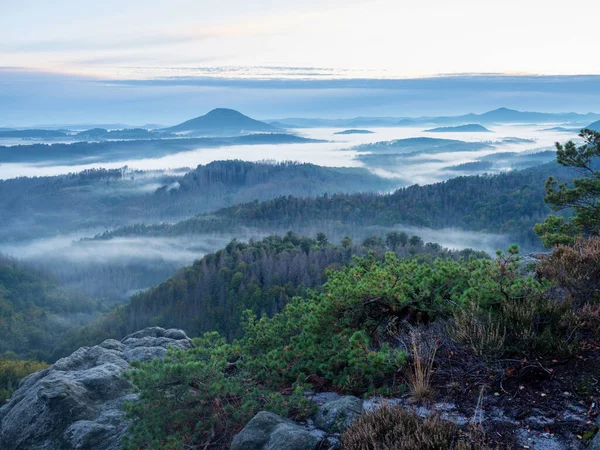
x=474, y=166
x=503, y=115
x=594, y=126
x=506, y=114
x=510, y=202
x=499, y=115
x=284, y=126
x=222, y=121
x=356, y=122
x=421, y=145
x=469, y=128
x=122, y=150
x=355, y=131
x=33, y=134
x=102, y=134
x=562, y=129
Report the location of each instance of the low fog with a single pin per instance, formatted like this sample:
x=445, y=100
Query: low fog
x=113, y=269
x=339, y=151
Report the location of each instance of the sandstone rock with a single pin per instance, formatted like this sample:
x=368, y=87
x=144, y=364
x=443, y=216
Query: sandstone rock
x=268, y=431
x=335, y=416
x=595, y=442
x=77, y=402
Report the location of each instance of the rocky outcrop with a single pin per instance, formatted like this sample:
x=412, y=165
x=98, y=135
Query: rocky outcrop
x=77, y=402
x=533, y=428
x=336, y=415
x=268, y=431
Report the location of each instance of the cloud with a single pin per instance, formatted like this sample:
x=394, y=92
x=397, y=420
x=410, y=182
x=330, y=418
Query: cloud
x=170, y=94
x=133, y=59
x=150, y=40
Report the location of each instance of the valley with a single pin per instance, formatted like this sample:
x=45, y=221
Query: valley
x=226, y=224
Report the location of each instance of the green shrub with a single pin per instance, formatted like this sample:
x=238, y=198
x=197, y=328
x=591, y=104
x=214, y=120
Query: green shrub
x=346, y=334
x=199, y=398
x=536, y=326
x=523, y=319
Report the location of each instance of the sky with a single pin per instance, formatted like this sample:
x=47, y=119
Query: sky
x=104, y=59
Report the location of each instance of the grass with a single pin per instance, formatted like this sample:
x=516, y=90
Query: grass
x=421, y=371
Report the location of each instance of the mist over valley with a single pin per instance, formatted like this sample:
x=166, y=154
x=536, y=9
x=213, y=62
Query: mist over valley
x=299, y=225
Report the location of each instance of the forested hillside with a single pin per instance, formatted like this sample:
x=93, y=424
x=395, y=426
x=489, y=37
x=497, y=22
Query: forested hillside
x=34, y=207
x=260, y=276
x=35, y=313
x=110, y=151
x=509, y=203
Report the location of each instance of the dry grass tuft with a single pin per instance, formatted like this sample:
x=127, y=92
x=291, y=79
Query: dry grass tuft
x=483, y=335
x=421, y=372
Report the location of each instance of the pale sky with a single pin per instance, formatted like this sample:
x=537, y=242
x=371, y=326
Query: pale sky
x=148, y=61
x=300, y=38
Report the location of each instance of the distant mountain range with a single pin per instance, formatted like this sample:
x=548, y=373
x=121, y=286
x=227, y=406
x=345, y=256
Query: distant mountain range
x=469, y=128
x=357, y=122
x=500, y=115
x=74, y=153
x=505, y=115
x=101, y=134
x=33, y=134
x=221, y=122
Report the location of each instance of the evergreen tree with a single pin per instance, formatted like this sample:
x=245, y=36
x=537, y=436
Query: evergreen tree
x=583, y=196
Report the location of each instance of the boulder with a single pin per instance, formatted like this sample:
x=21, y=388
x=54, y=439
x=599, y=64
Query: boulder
x=268, y=431
x=77, y=403
x=595, y=440
x=335, y=416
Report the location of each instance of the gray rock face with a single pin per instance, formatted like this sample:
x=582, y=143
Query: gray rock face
x=595, y=443
x=335, y=416
x=268, y=431
x=77, y=402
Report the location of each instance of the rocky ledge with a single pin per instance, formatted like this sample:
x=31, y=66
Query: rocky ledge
x=77, y=402
x=267, y=431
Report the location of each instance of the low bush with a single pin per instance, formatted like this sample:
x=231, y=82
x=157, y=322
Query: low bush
x=524, y=319
x=347, y=335
x=575, y=268
x=531, y=327
x=483, y=335
x=394, y=428
x=200, y=399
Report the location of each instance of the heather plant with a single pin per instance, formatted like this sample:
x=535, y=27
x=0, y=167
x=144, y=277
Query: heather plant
x=393, y=427
x=575, y=268
x=508, y=313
